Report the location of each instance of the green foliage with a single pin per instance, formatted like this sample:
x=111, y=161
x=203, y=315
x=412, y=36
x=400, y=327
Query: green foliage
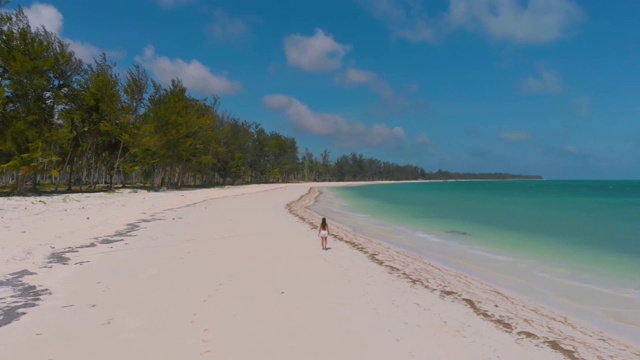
x=447, y=175
x=65, y=121
x=37, y=71
x=103, y=126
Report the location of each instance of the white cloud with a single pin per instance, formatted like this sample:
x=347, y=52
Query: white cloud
x=423, y=139
x=303, y=118
x=354, y=77
x=173, y=3
x=519, y=21
x=420, y=31
x=380, y=134
x=546, y=82
x=49, y=17
x=85, y=51
x=88, y=52
x=531, y=21
x=390, y=104
x=227, y=29
x=514, y=136
x=405, y=18
x=346, y=134
x=317, y=53
x=193, y=74
x=398, y=132
x=45, y=15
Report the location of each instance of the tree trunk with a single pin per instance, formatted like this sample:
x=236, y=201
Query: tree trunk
x=115, y=165
x=21, y=182
x=64, y=168
x=71, y=173
x=34, y=182
x=124, y=178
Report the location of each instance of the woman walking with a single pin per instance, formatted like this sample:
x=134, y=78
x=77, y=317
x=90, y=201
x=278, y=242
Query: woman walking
x=323, y=232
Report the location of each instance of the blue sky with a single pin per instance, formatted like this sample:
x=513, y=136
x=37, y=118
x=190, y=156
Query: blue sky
x=548, y=87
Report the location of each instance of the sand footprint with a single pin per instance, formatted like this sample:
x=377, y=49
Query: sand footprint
x=204, y=340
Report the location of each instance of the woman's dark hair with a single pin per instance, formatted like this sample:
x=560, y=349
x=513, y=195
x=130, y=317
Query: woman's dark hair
x=323, y=224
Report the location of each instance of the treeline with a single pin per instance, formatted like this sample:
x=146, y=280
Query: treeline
x=446, y=175
x=66, y=125
x=355, y=167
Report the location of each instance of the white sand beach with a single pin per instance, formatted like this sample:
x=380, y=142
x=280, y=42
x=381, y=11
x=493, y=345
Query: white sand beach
x=233, y=273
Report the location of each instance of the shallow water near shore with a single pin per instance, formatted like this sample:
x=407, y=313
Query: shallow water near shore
x=572, y=246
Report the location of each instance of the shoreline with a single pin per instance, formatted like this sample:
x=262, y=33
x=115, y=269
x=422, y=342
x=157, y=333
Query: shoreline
x=520, y=318
x=230, y=272
x=580, y=285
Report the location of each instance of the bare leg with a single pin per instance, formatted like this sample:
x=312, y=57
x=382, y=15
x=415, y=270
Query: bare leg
x=324, y=242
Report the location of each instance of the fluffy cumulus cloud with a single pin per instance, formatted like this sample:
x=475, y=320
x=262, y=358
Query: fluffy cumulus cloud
x=303, y=118
x=345, y=133
x=519, y=21
x=390, y=104
x=532, y=21
x=49, y=17
x=193, y=74
x=45, y=15
x=355, y=77
x=317, y=53
x=380, y=134
x=424, y=140
x=545, y=82
x=87, y=52
x=514, y=136
x=227, y=29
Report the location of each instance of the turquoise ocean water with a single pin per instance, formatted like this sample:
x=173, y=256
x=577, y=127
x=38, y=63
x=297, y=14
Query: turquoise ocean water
x=572, y=246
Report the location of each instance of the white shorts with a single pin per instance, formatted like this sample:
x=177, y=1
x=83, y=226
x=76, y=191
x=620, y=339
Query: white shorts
x=324, y=233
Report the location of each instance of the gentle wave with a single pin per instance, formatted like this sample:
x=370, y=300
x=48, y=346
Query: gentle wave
x=491, y=255
x=558, y=244
x=623, y=292
x=428, y=237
